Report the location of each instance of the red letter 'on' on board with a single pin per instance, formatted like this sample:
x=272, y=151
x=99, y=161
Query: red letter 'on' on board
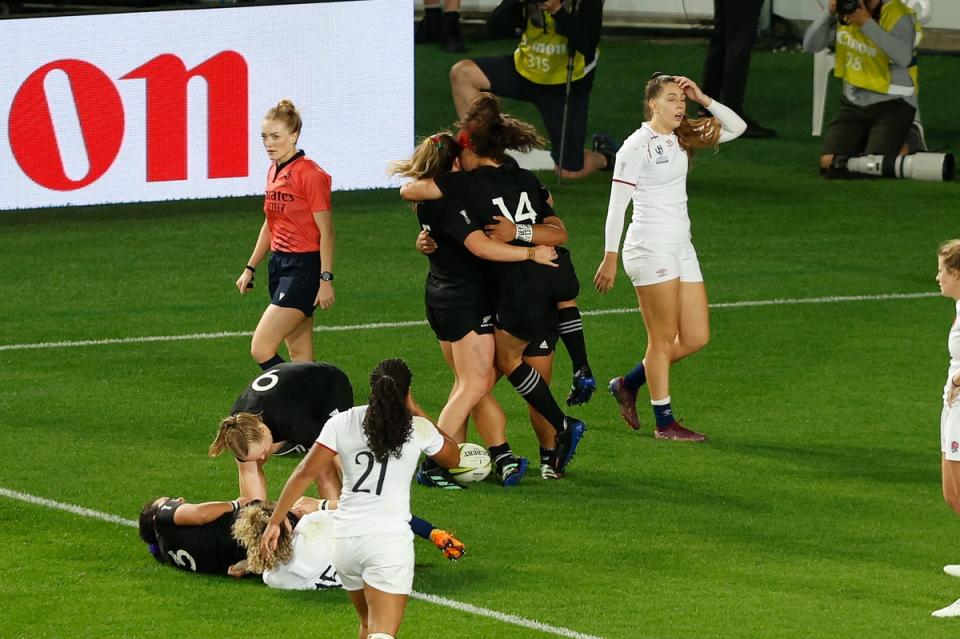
x=167, y=77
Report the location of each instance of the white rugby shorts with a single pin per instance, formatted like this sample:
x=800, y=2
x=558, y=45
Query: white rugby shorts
x=649, y=263
x=950, y=432
x=382, y=561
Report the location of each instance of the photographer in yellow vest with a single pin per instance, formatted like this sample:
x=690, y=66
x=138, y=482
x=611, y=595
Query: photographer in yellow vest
x=876, y=59
x=536, y=72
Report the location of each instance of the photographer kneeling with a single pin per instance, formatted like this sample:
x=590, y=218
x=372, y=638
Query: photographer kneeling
x=875, y=57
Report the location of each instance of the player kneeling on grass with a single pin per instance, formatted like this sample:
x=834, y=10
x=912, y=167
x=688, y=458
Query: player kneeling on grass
x=380, y=445
x=281, y=412
x=201, y=537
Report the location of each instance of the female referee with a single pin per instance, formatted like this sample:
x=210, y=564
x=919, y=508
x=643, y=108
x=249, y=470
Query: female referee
x=948, y=276
x=379, y=445
x=299, y=231
x=651, y=167
x=460, y=309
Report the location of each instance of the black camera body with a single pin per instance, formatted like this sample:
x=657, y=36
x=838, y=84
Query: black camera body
x=846, y=7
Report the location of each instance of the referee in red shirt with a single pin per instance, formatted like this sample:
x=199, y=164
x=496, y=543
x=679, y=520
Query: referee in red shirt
x=299, y=231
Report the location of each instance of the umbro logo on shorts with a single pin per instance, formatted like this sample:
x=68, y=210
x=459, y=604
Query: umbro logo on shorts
x=662, y=272
x=486, y=320
x=281, y=296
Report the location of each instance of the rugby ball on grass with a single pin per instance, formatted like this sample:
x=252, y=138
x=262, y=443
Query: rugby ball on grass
x=474, y=464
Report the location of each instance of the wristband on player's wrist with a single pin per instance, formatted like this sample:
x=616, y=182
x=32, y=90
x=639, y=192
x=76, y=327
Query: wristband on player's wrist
x=524, y=232
x=250, y=268
x=323, y=504
x=236, y=504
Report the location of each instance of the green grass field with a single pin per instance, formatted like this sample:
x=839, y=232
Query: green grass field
x=814, y=510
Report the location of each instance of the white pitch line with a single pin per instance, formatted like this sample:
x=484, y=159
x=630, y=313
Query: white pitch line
x=70, y=508
x=833, y=299
x=434, y=599
x=511, y=619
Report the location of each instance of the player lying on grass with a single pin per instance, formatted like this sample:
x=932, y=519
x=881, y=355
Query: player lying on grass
x=199, y=537
x=303, y=559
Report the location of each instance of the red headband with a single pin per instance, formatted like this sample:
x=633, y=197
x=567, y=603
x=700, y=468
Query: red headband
x=463, y=139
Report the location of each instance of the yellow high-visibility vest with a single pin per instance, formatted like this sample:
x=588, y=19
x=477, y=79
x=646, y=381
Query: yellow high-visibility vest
x=860, y=62
x=541, y=56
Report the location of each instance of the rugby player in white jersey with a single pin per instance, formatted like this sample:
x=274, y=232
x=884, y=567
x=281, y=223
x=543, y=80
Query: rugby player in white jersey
x=658, y=255
x=379, y=446
x=948, y=277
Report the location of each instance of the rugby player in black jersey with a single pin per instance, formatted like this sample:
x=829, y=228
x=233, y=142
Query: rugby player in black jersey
x=199, y=537
x=459, y=308
x=280, y=412
x=527, y=293
x=192, y=537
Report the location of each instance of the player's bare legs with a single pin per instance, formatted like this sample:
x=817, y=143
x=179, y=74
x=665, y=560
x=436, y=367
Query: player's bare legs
x=466, y=83
x=490, y=420
x=661, y=306
x=950, y=480
x=384, y=610
x=693, y=329
x=473, y=362
x=360, y=605
x=660, y=310
x=460, y=435
x=592, y=162
x=276, y=323
x=300, y=341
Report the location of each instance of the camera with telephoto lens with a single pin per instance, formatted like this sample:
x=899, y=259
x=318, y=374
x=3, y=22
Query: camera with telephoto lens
x=846, y=7
x=930, y=167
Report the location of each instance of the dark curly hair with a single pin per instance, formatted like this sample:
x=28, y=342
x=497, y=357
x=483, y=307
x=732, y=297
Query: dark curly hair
x=388, y=422
x=148, y=528
x=489, y=132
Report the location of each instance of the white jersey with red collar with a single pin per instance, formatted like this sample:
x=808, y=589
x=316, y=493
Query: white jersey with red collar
x=656, y=167
x=651, y=169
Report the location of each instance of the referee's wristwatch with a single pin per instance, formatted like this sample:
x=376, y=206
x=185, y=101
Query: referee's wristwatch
x=326, y=276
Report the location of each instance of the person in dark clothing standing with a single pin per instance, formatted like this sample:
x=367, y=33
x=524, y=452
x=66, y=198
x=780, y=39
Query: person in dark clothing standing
x=727, y=64
x=441, y=23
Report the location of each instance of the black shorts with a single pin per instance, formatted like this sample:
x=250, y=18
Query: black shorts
x=549, y=99
x=562, y=281
x=453, y=324
x=527, y=319
x=529, y=293
x=295, y=280
x=879, y=128
x=542, y=346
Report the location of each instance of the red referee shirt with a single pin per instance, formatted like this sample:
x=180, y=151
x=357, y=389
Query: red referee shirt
x=295, y=191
